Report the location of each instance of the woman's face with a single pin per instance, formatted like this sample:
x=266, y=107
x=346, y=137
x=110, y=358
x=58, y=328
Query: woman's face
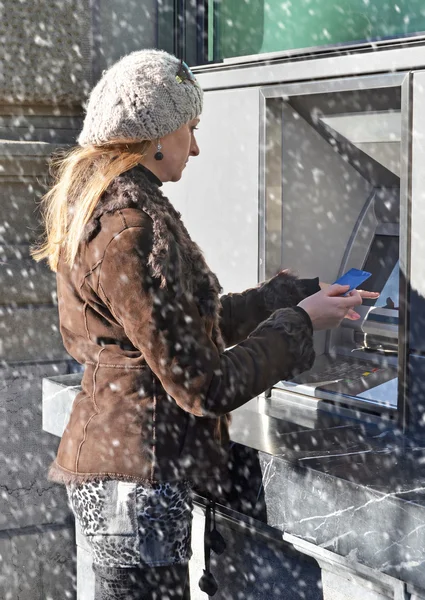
x=177, y=148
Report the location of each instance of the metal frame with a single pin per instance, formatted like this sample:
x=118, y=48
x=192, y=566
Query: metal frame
x=314, y=68
x=299, y=89
x=354, y=46
x=405, y=248
x=180, y=28
x=201, y=31
x=404, y=81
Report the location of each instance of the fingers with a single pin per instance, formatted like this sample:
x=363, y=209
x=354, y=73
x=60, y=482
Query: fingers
x=337, y=290
x=340, y=290
x=353, y=299
x=352, y=315
x=373, y=295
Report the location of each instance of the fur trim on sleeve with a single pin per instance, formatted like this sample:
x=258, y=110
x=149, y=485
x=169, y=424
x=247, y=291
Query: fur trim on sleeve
x=283, y=290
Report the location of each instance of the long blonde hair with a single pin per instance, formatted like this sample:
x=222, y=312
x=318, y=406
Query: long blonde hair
x=80, y=178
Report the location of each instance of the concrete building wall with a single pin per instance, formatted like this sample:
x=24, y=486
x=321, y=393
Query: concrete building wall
x=120, y=27
x=47, y=51
x=45, y=73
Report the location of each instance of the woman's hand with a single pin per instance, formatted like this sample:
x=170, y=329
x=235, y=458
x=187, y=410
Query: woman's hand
x=328, y=307
x=352, y=315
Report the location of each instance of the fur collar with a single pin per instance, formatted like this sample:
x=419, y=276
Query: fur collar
x=174, y=259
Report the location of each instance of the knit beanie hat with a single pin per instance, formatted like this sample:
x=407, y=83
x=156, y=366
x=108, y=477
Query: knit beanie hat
x=144, y=96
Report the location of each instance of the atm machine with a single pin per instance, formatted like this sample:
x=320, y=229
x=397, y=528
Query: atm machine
x=332, y=170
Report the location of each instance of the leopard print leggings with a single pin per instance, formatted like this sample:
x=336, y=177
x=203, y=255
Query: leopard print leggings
x=154, y=583
x=131, y=525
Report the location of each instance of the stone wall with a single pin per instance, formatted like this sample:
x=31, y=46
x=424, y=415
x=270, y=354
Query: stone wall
x=28, y=315
x=37, y=554
x=47, y=51
x=45, y=74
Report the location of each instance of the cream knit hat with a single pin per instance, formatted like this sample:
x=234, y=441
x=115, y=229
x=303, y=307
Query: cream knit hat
x=143, y=96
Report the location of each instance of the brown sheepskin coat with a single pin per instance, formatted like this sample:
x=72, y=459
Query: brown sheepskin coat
x=142, y=311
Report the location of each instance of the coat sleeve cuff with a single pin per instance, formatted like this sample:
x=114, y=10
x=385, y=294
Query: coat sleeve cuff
x=285, y=290
x=309, y=286
x=306, y=316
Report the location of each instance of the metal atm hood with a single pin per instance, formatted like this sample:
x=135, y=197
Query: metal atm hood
x=377, y=134
x=364, y=130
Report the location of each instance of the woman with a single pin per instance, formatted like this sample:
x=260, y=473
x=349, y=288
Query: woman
x=140, y=309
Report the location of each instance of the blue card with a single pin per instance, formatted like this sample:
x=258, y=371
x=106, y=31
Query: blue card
x=353, y=278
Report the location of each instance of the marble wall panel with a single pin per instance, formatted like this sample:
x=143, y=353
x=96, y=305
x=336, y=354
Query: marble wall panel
x=378, y=529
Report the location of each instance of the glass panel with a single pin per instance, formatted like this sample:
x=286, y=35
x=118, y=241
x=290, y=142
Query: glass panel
x=332, y=200
x=255, y=26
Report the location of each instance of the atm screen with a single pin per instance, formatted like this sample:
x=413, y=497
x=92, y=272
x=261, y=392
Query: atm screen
x=383, y=263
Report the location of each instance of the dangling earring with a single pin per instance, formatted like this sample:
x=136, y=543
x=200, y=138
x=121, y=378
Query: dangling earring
x=158, y=154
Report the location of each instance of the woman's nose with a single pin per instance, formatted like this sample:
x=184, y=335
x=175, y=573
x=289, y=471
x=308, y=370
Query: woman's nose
x=194, y=149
